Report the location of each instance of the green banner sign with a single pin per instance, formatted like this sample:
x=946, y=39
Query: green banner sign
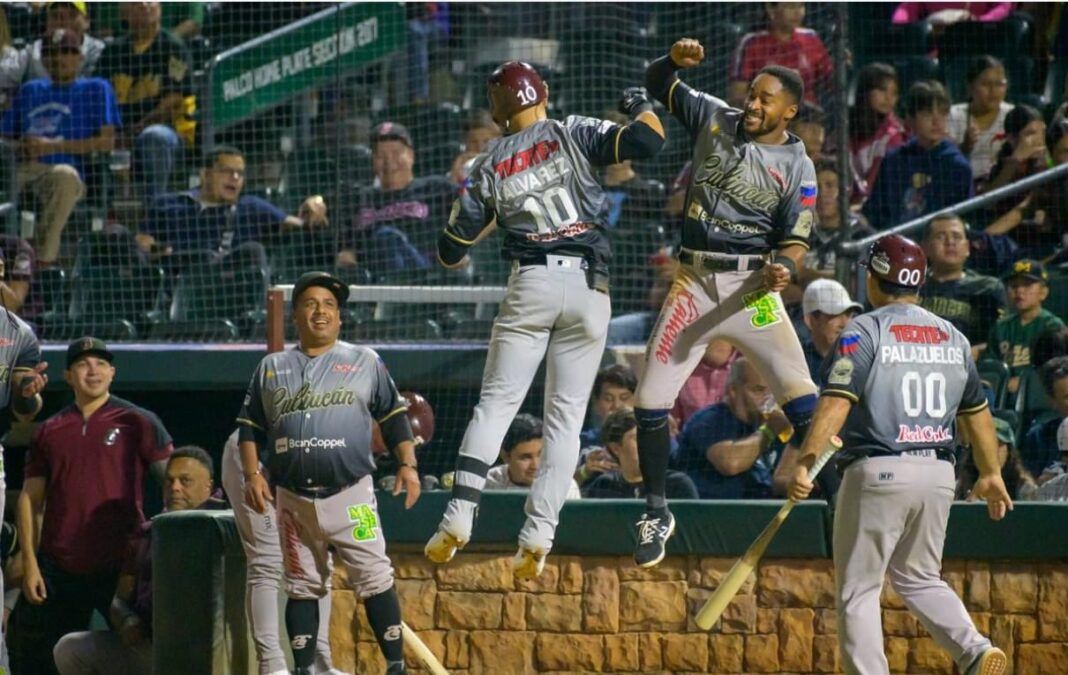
x=309, y=53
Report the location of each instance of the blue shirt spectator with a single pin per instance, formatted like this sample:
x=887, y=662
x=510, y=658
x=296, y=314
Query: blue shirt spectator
x=728, y=449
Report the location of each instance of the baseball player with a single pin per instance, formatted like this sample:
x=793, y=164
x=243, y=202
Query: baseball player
x=747, y=219
x=263, y=555
x=22, y=378
x=898, y=382
x=537, y=183
x=308, y=416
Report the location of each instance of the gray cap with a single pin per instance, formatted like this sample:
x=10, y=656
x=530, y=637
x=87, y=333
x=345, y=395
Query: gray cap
x=829, y=297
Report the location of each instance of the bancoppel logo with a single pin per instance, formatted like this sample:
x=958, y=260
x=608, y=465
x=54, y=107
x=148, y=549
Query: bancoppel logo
x=316, y=443
x=300, y=641
x=281, y=445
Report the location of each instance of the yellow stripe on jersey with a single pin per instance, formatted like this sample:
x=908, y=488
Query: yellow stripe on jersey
x=395, y=411
x=840, y=393
x=248, y=422
x=794, y=242
x=619, y=134
x=458, y=240
x=671, y=92
x=971, y=411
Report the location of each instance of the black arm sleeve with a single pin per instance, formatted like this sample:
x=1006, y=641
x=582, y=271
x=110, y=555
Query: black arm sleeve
x=659, y=77
x=637, y=140
x=450, y=251
x=395, y=430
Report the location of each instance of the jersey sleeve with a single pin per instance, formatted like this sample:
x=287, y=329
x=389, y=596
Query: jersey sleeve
x=252, y=420
x=693, y=108
x=597, y=139
x=973, y=399
x=385, y=400
x=474, y=207
x=845, y=370
x=797, y=208
x=29, y=350
x=37, y=458
x=155, y=443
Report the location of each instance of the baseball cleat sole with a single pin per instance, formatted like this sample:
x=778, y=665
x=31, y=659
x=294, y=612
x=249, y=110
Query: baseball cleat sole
x=992, y=662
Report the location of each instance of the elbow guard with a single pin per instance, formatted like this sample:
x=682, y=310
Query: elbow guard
x=23, y=405
x=449, y=251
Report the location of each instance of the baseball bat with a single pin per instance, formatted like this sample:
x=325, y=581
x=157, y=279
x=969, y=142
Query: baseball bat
x=739, y=572
x=422, y=652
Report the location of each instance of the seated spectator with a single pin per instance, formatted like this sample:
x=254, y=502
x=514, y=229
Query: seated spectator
x=730, y=449
x=1018, y=481
x=827, y=309
x=1013, y=335
x=972, y=302
x=182, y=19
x=619, y=435
x=874, y=127
x=633, y=201
x=57, y=123
x=1060, y=467
x=636, y=327
x=945, y=13
x=1049, y=345
x=1040, y=447
x=784, y=42
x=1055, y=490
x=17, y=266
x=72, y=16
x=152, y=76
x=808, y=125
x=1024, y=151
x=216, y=220
x=1038, y=222
x=925, y=175
x=830, y=229
x=521, y=454
x=480, y=130
x=127, y=647
x=613, y=388
x=707, y=383
x=978, y=126
x=394, y=224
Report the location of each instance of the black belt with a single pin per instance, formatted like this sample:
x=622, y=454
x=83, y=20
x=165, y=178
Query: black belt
x=596, y=275
x=320, y=492
x=940, y=454
x=716, y=264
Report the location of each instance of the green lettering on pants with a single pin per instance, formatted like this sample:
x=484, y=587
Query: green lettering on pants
x=765, y=308
x=366, y=522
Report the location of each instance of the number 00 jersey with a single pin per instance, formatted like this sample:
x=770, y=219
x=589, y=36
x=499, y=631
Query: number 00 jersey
x=539, y=183
x=910, y=373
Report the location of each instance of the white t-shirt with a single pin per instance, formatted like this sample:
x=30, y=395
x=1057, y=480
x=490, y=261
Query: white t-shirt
x=497, y=479
x=985, y=150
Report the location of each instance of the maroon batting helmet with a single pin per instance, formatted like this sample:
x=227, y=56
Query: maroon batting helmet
x=897, y=260
x=420, y=416
x=514, y=86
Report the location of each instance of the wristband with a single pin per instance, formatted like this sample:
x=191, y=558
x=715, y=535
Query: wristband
x=248, y=476
x=788, y=263
x=410, y=465
x=766, y=431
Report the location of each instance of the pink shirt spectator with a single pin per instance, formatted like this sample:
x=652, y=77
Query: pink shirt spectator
x=867, y=154
x=703, y=388
x=804, y=52
x=907, y=12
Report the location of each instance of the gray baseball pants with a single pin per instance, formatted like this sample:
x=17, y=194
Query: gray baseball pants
x=549, y=312
x=891, y=518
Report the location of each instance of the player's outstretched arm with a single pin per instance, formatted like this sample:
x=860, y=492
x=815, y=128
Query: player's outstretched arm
x=644, y=136
x=660, y=75
x=979, y=428
x=830, y=415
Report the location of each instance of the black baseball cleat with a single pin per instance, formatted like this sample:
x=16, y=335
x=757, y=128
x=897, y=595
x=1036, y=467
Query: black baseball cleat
x=654, y=529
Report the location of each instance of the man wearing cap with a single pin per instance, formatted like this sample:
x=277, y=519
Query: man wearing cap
x=85, y=473
x=1028, y=287
x=72, y=16
x=827, y=309
x=57, y=123
x=394, y=224
x=307, y=417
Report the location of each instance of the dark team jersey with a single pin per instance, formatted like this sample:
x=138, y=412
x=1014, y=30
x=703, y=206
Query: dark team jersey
x=972, y=303
x=19, y=350
x=417, y=211
x=541, y=187
x=909, y=374
x=743, y=197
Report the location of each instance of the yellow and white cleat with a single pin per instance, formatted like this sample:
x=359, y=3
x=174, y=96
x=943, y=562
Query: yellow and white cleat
x=528, y=563
x=992, y=662
x=442, y=547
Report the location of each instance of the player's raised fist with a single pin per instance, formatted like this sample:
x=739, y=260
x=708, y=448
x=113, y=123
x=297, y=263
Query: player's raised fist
x=687, y=53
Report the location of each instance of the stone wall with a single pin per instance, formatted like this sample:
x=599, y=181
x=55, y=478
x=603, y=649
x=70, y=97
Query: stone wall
x=588, y=614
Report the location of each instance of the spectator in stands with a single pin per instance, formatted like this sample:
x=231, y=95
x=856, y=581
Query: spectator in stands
x=945, y=13
x=394, y=224
x=619, y=435
x=978, y=126
x=216, y=220
x=808, y=125
x=1040, y=449
x=831, y=229
x=1038, y=222
x=972, y=302
x=17, y=265
x=59, y=122
x=874, y=127
x=1024, y=151
x=72, y=16
x=928, y=173
x=707, y=383
x=521, y=454
x=634, y=201
x=85, y=473
x=1018, y=481
x=183, y=19
x=1013, y=335
x=827, y=309
x=12, y=63
x=730, y=449
x=1059, y=467
x=151, y=73
x=1049, y=345
x=786, y=43
x=479, y=131
x=613, y=388
x=127, y=647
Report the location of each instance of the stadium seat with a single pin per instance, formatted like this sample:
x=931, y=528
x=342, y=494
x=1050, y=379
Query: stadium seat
x=300, y=251
x=995, y=375
x=899, y=40
x=1031, y=399
x=915, y=68
x=1057, y=301
x=1005, y=39
x=119, y=299
x=1056, y=86
x=51, y=289
x=220, y=292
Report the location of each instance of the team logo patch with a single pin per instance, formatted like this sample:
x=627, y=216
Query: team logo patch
x=841, y=372
x=808, y=194
x=281, y=445
x=765, y=307
x=880, y=262
x=113, y=435
x=803, y=224
x=848, y=344
x=365, y=522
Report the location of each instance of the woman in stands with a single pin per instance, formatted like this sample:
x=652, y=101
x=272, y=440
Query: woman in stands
x=874, y=128
x=978, y=126
x=1024, y=151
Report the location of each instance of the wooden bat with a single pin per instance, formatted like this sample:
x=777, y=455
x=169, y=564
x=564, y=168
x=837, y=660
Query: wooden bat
x=739, y=572
x=422, y=652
